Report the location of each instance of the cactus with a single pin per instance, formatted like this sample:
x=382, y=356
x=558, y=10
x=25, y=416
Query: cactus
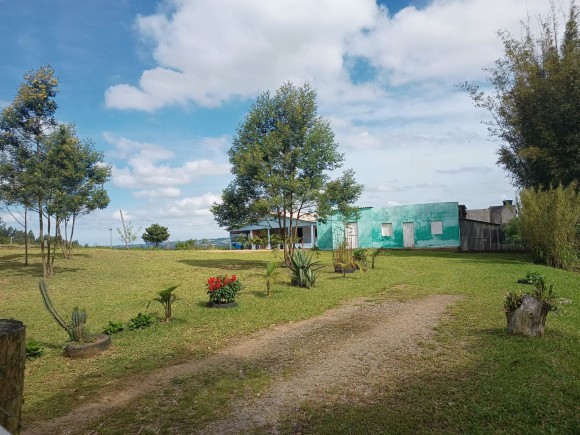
x=78, y=325
x=77, y=330
x=48, y=304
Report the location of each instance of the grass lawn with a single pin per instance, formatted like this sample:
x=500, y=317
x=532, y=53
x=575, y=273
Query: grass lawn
x=479, y=381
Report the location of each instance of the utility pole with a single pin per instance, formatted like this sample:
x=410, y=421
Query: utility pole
x=111, y=236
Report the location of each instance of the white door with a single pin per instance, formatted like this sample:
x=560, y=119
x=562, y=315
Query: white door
x=408, y=234
x=352, y=235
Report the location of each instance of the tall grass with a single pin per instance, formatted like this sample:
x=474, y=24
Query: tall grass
x=550, y=225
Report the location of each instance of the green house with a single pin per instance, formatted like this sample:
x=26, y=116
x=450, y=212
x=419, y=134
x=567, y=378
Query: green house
x=434, y=225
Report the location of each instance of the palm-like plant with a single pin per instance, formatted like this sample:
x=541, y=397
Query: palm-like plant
x=166, y=298
x=271, y=269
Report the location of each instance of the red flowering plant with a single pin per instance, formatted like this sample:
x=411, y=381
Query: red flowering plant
x=223, y=289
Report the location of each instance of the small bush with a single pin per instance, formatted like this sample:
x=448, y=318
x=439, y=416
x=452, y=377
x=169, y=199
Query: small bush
x=142, y=321
x=114, y=328
x=531, y=278
x=33, y=350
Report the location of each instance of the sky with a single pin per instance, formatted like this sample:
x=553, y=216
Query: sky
x=161, y=86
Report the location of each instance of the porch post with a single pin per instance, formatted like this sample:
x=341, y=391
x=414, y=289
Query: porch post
x=269, y=245
x=312, y=235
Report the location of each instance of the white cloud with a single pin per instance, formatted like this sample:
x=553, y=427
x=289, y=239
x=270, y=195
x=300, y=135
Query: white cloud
x=168, y=192
x=144, y=170
x=207, y=56
x=117, y=215
x=447, y=40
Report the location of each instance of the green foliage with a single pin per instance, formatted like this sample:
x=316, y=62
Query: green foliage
x=166, y=298
x=114, y=328
x=360, y=256
x=223, y=290
x=271, y=269
x=549, y=223
x=188, y=244
x=155, y=234
x=280, y=156
x=534, y=108
x=141, y=321
x=531, y=278
x=33, y=349
x=375, y=252
x=541, y=292
x=303, y=269
x=513, y=232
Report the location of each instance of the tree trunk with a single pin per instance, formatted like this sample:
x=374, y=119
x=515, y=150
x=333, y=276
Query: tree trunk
x=25, y=236
x=12, y=359
x=529, y=318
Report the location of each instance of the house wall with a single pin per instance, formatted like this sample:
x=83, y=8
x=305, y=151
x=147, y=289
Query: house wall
x=421, y=215
x=496, y=214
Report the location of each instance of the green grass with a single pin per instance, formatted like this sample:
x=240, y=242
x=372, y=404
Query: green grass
x=479, y=380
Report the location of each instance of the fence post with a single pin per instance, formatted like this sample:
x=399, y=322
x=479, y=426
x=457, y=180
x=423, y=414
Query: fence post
x=12, y=359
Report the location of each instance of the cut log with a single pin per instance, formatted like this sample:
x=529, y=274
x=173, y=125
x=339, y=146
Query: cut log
x=12, y=360
x=529, y=318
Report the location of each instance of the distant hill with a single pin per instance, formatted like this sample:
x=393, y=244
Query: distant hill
x=219, y=243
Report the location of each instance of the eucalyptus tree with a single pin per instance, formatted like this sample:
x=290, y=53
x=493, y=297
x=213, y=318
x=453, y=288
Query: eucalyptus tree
x=45, y=167
x=281, y=157
x=78, y=174
x=23, y=126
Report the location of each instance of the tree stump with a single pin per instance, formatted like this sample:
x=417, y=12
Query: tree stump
x=529, y=318
x=12, y=359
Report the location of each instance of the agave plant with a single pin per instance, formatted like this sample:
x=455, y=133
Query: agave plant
x=166, y=298
x=303, y=269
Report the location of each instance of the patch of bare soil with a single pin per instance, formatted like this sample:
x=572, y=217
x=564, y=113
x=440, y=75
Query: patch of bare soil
x=345, y=350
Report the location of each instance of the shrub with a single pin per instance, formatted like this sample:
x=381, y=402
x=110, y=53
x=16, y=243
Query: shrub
x=114, y=328
x=531, y=278
x=188, y=244
x=33, y=350
x=141, y=321
x=549, y=225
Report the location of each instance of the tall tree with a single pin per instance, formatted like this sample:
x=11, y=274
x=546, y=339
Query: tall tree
x=155, y=234
x=534, y=104
x=44, y=167
x=78, y=175
x=280, y=156
x=23, y=126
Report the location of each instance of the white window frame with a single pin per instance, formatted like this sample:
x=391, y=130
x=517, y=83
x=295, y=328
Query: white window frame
x=387, y=229
x=436, y=228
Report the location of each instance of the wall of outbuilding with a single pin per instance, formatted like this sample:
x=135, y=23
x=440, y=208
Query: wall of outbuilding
x=421, y=215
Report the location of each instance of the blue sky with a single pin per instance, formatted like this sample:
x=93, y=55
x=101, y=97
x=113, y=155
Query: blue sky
x=161, y=86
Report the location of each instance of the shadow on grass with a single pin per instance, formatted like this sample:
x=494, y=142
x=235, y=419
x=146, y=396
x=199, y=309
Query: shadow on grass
x=467, y=257
x=226, y=263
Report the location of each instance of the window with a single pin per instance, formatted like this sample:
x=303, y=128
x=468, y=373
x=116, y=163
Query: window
x=387, y=230
x=436, y=228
